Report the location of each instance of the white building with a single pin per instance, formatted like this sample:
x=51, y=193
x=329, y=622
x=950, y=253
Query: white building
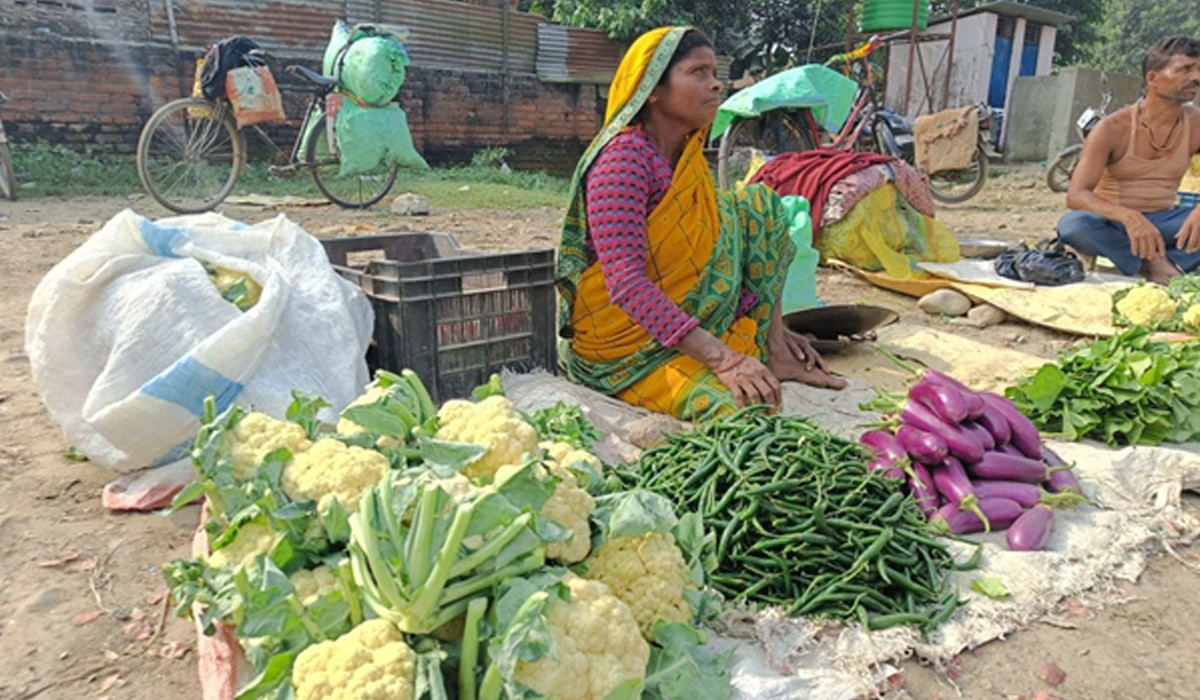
x=992, y=45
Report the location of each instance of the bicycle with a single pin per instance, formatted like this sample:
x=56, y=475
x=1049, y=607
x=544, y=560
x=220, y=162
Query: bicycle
x=8, y=180
x=869, y=127
x=191, y=153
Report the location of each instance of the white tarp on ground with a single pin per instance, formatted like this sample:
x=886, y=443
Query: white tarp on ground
x=1136, y=492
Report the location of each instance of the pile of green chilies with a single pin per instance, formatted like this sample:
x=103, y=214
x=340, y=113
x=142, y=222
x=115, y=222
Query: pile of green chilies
x=802, y=524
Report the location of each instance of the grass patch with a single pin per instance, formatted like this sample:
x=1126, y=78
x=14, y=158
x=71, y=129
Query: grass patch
x=45, y=170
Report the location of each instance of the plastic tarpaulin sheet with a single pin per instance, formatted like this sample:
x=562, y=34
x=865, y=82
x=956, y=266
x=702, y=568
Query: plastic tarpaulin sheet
x=829, y=94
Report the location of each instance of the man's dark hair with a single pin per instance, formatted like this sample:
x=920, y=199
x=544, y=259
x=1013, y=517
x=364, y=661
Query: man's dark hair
x=1159, y=55
x=691, y=41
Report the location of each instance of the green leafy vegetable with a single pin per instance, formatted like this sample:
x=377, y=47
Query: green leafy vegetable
x=565, y=423
x=1126, y=390
x=991, y=587
x=681, y=669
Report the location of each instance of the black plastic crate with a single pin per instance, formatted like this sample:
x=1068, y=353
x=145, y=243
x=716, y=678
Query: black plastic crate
x=452, y=316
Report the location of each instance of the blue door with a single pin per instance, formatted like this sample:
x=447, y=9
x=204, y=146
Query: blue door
x=998, y=88
x=1029, y=59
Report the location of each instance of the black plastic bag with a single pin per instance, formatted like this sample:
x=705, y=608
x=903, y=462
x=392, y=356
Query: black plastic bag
x=1045, y=267
x=222, y=57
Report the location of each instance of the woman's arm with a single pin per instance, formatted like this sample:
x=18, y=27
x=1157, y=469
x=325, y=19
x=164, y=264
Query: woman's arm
x=619, y=188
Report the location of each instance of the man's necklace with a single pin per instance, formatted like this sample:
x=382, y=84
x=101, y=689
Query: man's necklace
x=1170, y=143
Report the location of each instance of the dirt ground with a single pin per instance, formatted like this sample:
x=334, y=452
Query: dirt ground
x=81, y=612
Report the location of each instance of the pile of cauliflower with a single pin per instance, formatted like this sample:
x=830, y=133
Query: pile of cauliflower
x=1152, y=306
x=602, y=621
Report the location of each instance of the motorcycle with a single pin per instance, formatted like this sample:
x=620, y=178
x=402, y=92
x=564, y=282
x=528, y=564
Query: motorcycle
x=895, y=136
x=1058, y=175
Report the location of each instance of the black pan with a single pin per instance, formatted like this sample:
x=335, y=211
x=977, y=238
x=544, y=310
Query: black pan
x=832, y=328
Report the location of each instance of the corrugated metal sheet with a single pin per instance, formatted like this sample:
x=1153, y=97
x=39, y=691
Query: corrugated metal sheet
x=457, y=35
x=284, y=26
x=567, y=55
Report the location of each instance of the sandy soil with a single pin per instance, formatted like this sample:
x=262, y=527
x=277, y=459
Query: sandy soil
x=80, y=608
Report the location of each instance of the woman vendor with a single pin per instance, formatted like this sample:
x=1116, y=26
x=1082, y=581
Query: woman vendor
x=670, y=289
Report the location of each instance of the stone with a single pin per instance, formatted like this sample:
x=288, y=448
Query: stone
x=945, y=302
x=653, y=430
x=410, y=204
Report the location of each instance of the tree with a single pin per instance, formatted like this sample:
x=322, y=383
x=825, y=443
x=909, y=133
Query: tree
x=1129, y=27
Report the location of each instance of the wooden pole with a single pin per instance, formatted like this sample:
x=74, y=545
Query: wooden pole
x=950, y=57
x=912, y=49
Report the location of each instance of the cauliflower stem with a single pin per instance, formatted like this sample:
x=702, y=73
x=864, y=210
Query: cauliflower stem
x=415, y=574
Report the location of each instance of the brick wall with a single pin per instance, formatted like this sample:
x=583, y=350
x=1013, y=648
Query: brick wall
x=69, y=86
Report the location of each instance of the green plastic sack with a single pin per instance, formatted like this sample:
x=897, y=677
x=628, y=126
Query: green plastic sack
x=368, y=136
x=368, y=62
x=800, y=287
x=338, y=39
x=828, y=93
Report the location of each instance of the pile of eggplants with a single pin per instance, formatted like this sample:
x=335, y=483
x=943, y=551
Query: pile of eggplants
x=973, y=462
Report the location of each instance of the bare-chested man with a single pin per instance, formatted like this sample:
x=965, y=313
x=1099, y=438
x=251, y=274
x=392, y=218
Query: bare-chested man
x=1123, y=191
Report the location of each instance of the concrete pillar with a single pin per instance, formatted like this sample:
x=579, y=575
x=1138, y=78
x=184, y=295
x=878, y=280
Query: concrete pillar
x=1046, y=49
x=1014, y=69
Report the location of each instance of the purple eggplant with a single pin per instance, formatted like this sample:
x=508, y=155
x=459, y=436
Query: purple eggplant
x=944, y=400
x=951, y=481
x=1030, y=531
x=974, y=403
x=1001, y=512
x=920, y=485
x=1009, y=449
x=981, y=434
x=887, y=466
x=884, y=444
x=999, y=466
x=961, y=444
x=975, y=406
x=1063, y=481
x=995, y=423
x=924, y=447
x=1025, y=493
x=1025, y=434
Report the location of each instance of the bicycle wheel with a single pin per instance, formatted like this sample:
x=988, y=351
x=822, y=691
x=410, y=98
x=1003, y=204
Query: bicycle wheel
x=1058, y=175
x=350, y=191
x=957, y=186
x=770, y=135
x=190, y=155
x=8, y=181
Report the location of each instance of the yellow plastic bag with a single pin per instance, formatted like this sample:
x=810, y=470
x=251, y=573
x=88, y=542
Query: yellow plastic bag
x=882, y=233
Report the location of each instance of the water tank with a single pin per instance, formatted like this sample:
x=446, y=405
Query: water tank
x=887, y=15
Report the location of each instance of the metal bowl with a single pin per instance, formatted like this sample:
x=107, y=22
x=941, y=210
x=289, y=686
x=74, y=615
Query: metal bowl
x=985, y=248
x=833, y=328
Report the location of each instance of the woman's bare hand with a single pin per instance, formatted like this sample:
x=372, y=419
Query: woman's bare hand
x=750, y=382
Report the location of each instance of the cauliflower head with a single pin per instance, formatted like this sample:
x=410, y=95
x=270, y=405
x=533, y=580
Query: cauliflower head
x=256, y=435
x=567, y=454
x=648, y=574
x=252, y=539
x=1191, y=319
x=597, y=646
x=493, y=423
x=313, y=584
x=1146, y=304
x=571, y=507
x=332, y=469
x=370, y=662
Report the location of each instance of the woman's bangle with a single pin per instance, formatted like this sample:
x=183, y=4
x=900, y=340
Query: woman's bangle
x=737, y=359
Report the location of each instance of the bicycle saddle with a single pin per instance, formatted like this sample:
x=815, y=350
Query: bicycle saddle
x=312, y=77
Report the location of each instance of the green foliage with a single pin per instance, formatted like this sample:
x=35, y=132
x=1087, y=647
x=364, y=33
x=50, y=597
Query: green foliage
x=45, y=170
x=1127, y=28
x=1126, y=390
